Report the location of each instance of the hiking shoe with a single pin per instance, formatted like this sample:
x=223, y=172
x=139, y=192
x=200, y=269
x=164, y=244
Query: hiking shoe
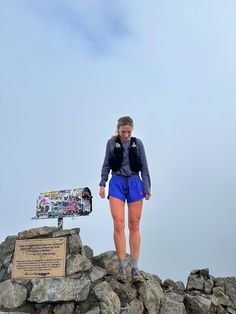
x=136, y=276
x=121, y=275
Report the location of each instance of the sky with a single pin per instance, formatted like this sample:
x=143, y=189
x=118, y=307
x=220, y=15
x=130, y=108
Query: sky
x=70, y=69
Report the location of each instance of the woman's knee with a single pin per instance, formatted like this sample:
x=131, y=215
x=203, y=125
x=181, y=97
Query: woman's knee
x=134, y=225
x=119, y=225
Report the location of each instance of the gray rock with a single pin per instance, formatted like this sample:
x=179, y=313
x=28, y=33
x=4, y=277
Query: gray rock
x=66, y=232
x=12, y=295
x=95, y=310
x=195, y=292
x=88, y=252
x=43, y=308
x=37, y=232
x=77, y=263
x=230, y=310
x=90, y=302
x=208, y=285
x=220, y=310
x=204, y=302
x=97, y=273
x=109, y=300
x=229, y=288
x=134, y=307
x=151, y=294
x=172, y=307
x=7, y=247
x=195, y=281
x=173, y=296
x=192, y=305
x=75, y=245
x=179, y=286
x=214, y=300
x=6, y=268
x=222, y=298
x=109, y=261
x=6, y=255
x=56, y=290
x=66, y=308
x=151, y=277
x=171, y=285
x=77, y=310
x=204, y=272
x=45, y=311
x=126, y=292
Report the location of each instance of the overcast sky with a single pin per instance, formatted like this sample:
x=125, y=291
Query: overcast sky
x=70, y=69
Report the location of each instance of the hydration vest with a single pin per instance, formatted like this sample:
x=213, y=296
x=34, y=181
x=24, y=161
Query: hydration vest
x=116, y=157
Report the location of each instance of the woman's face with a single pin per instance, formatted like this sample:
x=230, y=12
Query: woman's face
x=125, y=132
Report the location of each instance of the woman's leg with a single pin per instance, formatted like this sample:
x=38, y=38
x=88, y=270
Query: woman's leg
x=134, y=215
x=117, y=211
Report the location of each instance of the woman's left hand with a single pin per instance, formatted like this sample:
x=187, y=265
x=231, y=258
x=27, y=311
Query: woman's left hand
x=147, y=196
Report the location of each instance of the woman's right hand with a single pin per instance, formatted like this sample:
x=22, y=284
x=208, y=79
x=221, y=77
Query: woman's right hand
x=102, y=192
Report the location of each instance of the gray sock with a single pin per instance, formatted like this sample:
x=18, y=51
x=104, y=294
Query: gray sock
x=135, y=263
x=121, y=263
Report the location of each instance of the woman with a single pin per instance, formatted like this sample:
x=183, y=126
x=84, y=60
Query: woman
x=125, y=156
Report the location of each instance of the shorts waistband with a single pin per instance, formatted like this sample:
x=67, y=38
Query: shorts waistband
x=120, y=177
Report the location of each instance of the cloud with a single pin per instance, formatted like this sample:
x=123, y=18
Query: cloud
x=97, y=23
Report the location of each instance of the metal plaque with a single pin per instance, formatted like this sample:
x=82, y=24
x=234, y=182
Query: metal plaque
x=39, y=258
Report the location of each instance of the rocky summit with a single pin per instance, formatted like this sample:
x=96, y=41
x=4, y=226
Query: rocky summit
x=89, y=285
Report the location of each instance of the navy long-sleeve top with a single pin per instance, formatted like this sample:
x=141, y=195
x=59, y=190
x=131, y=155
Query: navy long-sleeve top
x=125, y=167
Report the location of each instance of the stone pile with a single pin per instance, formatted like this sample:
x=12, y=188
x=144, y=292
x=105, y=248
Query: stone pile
x=89, y=285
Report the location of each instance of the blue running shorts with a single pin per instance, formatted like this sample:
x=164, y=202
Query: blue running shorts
x=130, y=188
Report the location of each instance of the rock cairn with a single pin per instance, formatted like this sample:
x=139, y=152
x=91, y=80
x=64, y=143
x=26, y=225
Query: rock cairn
x=89, y=285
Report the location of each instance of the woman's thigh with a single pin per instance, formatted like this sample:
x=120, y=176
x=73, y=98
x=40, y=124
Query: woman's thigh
x=117, y=209
x=135, y=211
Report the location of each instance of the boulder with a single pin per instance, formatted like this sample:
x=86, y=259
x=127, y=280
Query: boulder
x=97, y=273
x=74, y=244
x=109, y=261
x=88, y=252
x=193, y=304
x=7, y=247
x=12, y=295
x=228, y=284
x=172, y=307
x=67, y=308
x=134, y=307
x=95, y=310
x=56, y=290
x=66, y=232
x=197, y=279
x=151, y=294
x=126, y=292
x=109, y=300
x=77, y=263
x=37, y=232
x=170, y=285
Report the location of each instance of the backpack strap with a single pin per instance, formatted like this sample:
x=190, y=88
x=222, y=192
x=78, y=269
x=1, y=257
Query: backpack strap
x=133, y=142
x=134, y=155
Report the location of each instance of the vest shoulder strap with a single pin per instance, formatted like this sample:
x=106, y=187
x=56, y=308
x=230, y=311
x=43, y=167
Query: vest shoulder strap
x=133, y=142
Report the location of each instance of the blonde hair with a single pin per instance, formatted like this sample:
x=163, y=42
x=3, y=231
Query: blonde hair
x=126, y=120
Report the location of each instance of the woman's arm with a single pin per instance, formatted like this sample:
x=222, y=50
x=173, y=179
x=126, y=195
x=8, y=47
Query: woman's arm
x=105, y=167
x=145, y=171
